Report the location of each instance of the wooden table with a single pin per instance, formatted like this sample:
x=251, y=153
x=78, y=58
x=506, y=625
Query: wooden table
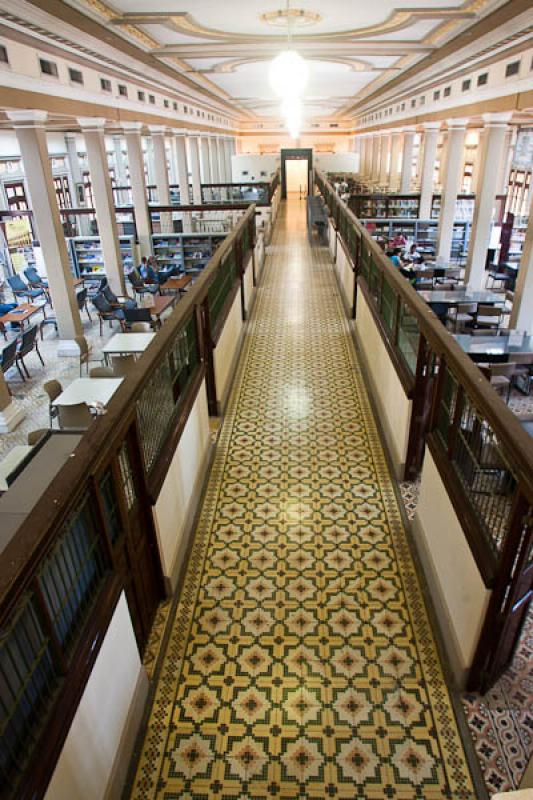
x=176, y=284
x=127, y=343
x=11, y=462
x=88, y=390
x=21, y=314
x=454, y=297
x=159, y=305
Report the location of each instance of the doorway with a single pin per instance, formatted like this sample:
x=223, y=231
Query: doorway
x=296, y=175
x=299, y=174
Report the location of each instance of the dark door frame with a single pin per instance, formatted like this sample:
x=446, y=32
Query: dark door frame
x=295, y=153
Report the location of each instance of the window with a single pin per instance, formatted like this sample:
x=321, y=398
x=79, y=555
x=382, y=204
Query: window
x=141, y=96
x=3, y=55
x=436, y=95
x=105, y=84
x=447, y=91
x=423, y=100
x=413, y=102
x=166, y=103
x=184, y=109
x=465, y=86
x=151, y=99
x=512, y=69
x=403, y=106
x=48, y=67
x=483, y=79
x=175, y=106
x=75, y=75
x=122, y=90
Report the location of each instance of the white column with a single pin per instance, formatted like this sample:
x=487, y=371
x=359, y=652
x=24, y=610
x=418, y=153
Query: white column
x=407, y=160
x=395, y=153
x=431, y=136
x=10, y=413
x=507, y=160
x=221, y=161
x=76, y=179
x=490, y=159
x=132, y=134
x=93, y=132
x=194, y=155
x=205, y=161
x=451, y=187
x=384, y=159
x=213, y=157
x=227, y=154
x=522, y=313
x=157, y=133
x=476, y=163
x=31, y=135
x=367, y=161
x=374, y=169
x=149, y=157
x=121, y=174
x=183, y=171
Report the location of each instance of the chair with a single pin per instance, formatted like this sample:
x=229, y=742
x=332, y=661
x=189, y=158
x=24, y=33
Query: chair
x=107, y=312
x=133, y=315
x=85, y=352
x=500, y=377
x=20, y=289
x=440, y=309
x=121, y=301
x=488, y=316
x=8, y=358
x=462, y=316
x=28, y=343
x=484, y=332
x=447, y=276
x=94, y=288
x=523, y=371
x=141, y=327
x=75, y=417
x=446, y=286
x=500, y=277
x=139, y=286
x=102, y=372
x=122, y=365
x=81, y=299
x=34, y=437
x=35, y=281
x=53, y=389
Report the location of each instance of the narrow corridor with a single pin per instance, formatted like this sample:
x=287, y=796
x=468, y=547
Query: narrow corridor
x=301, y=663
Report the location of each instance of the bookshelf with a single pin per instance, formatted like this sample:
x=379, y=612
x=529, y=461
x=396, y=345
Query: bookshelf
x=87, y=256
x=183, y=252
x=424, y=232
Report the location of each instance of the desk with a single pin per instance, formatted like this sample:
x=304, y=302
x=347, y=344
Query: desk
x=89, y=390
x=11, y=462
x=21, y=314
x=495, y=348
x=127, y=343
x=159, y=305
x=176, y=284
x=454, y=297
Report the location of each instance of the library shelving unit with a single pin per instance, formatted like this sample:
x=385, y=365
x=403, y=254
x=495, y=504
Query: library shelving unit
x=424, y=232
x=464, y=207
x=384, y=206
x=87, y=255
x=185, y=252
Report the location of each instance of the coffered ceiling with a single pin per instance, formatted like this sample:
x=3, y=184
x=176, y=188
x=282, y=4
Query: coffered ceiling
x=353, y=47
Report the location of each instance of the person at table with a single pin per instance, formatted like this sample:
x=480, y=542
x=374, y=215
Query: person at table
x=413, y=255
x=394, y=253
x=148, y=274
x=399, y=240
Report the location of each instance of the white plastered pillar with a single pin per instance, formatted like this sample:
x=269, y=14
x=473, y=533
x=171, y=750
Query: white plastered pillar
x=407, y=160
x=431, y=136
x=492, y=152
x=194, y=155
x=395, y=153
x=132, y=134
x=31, y=136
x=522, y=313
x=451, y=187
x=93, y=132
x=205, y=160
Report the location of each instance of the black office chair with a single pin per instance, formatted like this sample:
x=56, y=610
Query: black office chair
x=8, y=358
x=106, y=312
x=138, y=315
x=119, y=301
x=28, y=344
x=139, y=286
x=81, y=298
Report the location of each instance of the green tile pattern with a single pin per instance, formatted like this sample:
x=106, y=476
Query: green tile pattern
x=301, y=663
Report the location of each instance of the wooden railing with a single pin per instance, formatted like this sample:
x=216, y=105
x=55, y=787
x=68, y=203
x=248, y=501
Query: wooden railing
x=483, y=454
x=260, y=193
x=62, y=572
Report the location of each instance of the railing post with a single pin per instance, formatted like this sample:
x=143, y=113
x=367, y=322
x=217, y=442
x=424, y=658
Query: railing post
x=207, y=346
x=422, y=405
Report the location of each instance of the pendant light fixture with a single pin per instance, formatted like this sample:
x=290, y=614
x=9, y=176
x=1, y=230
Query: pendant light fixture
x=288, y=77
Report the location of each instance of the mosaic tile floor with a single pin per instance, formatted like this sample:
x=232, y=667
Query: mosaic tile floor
x=300, y=663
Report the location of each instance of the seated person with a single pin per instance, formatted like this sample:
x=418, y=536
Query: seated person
x=413, y=255
x=399, y=240
x=394, y=255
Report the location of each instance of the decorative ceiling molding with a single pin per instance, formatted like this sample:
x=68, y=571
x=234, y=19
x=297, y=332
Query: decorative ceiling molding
x=184, y=23
x=231, y=66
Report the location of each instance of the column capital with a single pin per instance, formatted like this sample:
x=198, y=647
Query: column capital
x=497, y=119
x=71, y=135
x=178, y=132
x=28, y=118
x=431, y=126
x=92, y=123
x=457, y=122
x=132, y=127
x=157, y=130
x=408, y=129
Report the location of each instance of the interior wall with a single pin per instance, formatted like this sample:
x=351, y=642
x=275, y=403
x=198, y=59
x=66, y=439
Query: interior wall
x=227, y=350
x=296, y=174
x=98, y=746
x=253, y=167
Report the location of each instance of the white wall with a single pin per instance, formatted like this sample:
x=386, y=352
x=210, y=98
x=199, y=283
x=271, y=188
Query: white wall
x=345, y=275
x=104, y=719
x=393, y=404
x=459, y=594
x=227, y=350
x=254, y=165
x=249, y=289
x=336, y=162
x=179, y=495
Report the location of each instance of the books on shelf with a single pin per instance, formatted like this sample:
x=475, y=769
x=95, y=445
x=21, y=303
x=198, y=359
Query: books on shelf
x=87, y=258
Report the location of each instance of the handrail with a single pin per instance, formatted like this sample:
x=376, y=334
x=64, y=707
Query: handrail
x=518, y=444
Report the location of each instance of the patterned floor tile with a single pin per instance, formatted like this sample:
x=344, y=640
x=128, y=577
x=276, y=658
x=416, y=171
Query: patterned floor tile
x=300, y=663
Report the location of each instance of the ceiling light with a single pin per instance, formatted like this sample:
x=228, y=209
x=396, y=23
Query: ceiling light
x=288, y=74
